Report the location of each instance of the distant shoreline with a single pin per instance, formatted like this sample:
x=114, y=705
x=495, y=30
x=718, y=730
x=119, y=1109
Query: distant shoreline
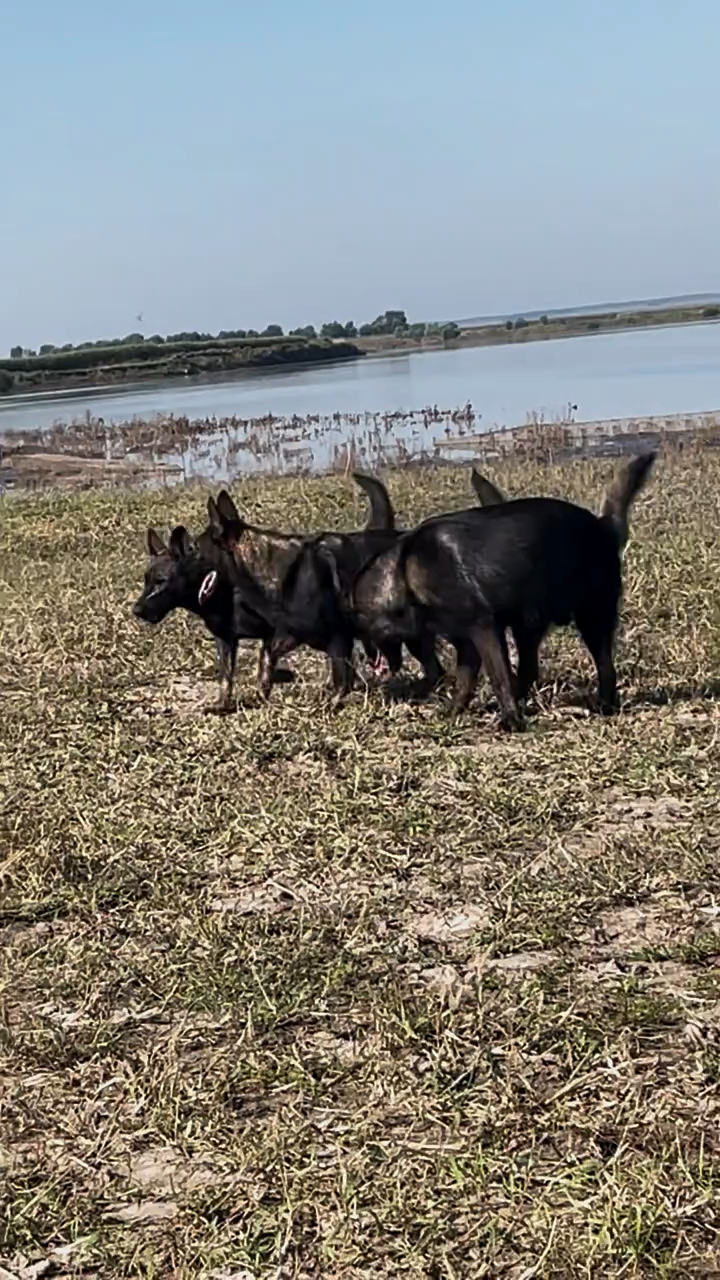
x=169, y=381
x=92, y=371
x=547, y=328
x=38, y=377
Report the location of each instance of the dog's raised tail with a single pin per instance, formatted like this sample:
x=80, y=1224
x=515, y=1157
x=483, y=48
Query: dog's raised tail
x=382, y=515
x=622, y=493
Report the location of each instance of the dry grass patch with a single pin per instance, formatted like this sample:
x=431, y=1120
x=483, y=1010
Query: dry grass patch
x=294, y=994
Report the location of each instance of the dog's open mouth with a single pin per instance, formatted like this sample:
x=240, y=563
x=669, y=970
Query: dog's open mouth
x=378, y=666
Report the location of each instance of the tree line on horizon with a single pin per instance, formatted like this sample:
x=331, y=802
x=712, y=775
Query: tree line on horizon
x=390, y=323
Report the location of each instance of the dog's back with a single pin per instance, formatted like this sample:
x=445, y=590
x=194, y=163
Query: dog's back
x=533, y=562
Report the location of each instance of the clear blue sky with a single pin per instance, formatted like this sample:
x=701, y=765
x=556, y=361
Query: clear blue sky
x=226, y=164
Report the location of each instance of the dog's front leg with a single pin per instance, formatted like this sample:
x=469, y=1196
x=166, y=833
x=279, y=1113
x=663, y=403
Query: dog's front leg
x=227, y=654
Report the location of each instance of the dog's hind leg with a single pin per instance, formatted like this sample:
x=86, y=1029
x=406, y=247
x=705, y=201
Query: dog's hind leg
x=391, y=651
x=423, y=650
x=339, y=651
x=502, y=641
x=270, y=654
x=598, y=632
x=527, y=641
x=265, y=670
x=487, y=646
x=468, y=665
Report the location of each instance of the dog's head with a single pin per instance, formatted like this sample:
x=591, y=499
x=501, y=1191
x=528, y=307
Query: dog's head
x=176, y=577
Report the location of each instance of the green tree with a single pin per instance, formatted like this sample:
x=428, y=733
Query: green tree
x=395, y=320
x=450, y=332
x=7, y=382
x=273, y=331
x=388, y=322
x=16, y=353
x=521, y=323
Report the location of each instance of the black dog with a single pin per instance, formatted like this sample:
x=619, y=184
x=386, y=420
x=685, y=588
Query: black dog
x=307, y=582
x=525, y=565
x=289, y=579
x=201, y=576
x=197, y=575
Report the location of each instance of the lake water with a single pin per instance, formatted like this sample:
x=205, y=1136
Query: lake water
x=654, y=371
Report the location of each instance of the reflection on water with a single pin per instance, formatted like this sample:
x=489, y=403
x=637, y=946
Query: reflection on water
x=220, y=449
x=309, y=418
x=224, y=450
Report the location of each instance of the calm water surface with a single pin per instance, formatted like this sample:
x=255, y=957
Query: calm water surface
x=660, y=371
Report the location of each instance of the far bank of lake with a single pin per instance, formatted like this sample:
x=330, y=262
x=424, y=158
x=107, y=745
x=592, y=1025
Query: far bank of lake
x=646, y=372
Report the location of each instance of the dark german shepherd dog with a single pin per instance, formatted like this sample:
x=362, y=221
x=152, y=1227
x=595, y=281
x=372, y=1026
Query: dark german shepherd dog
x=202, y=576
x=307, y=581
x=293, y=591
x=524, y=565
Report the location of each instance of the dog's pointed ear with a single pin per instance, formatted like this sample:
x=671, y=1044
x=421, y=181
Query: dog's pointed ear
x=229, y=513
x=225, y=519
x=485, y=491
x=216, y=525
x=155, y=544
x=180, y=544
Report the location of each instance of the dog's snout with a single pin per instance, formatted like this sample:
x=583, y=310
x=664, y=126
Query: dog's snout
x=138, y=608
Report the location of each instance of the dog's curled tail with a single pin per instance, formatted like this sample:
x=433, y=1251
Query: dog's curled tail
x=622, y=492
x=382, y=515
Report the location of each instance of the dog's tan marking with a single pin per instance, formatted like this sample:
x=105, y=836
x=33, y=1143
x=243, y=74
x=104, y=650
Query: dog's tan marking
x=266, y=556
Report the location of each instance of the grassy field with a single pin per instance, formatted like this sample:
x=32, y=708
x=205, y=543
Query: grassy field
x=289, y=994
